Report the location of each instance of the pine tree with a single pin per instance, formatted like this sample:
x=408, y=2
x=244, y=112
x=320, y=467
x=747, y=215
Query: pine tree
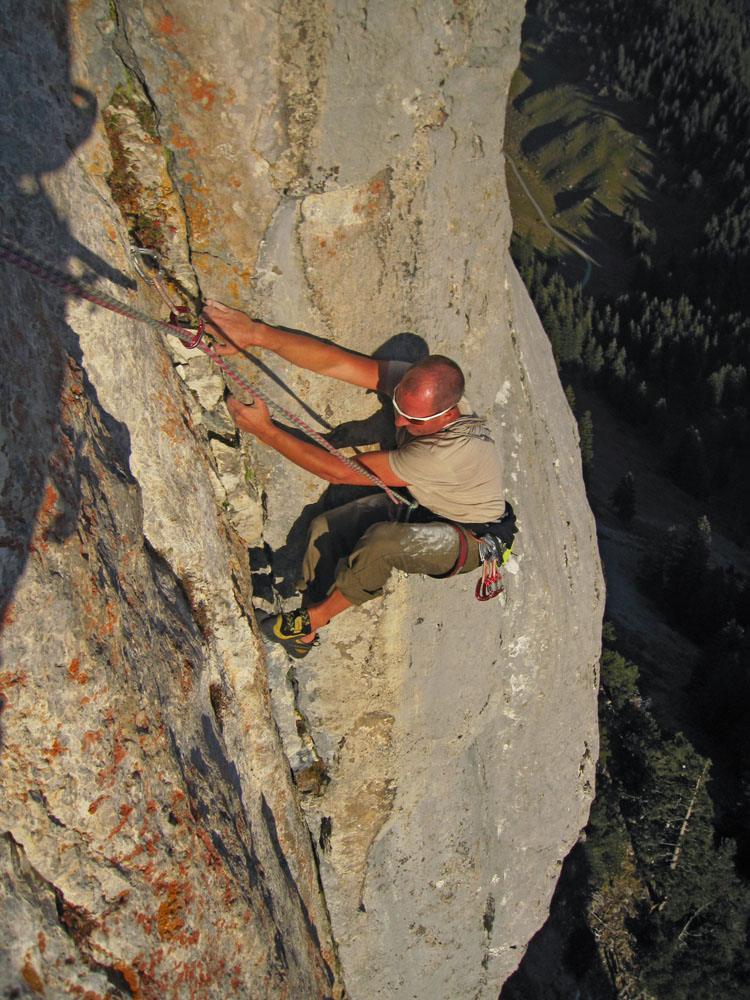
x=586, y=434
x=593, y=357
x=659, y=417
x=571, y=398
x=523, y=254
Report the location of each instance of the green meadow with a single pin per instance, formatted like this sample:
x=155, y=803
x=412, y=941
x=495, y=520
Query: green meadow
x=589, y=160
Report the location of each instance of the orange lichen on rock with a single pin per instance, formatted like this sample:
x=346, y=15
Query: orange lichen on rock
x=7, y=616
x=131, y=977
x=168, y=27
x=370, y=209
x=106, y=777
x=169, y=920
x=90, y=737
x=186, y=676
x=113, y=617
x=47, y=509
x=32, y=977
x=96, y=803
x=182, y=141
x=202, y=90
x=173, y=428
x=200, y=220
x=55, y=750
x=75, y=673
x=9, y=678
x=125, y=812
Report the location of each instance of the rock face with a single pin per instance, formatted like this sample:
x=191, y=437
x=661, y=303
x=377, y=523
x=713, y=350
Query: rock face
x=181, y=814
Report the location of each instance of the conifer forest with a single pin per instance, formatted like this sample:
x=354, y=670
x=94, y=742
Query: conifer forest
x=658, y=336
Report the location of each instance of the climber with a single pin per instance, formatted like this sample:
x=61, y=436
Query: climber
x=444, y=455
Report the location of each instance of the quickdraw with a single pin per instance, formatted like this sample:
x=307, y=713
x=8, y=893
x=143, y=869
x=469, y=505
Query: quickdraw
x=179, y=315
x=493, y=552
x=490, y=584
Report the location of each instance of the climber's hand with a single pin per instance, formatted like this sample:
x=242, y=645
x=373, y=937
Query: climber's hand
x=254, y=418
x=232, y=329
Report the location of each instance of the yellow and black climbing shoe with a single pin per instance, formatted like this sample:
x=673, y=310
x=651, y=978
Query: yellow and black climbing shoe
x=288, y=629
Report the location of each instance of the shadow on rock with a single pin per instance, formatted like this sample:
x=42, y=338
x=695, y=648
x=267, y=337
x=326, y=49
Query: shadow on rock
x=49, y=117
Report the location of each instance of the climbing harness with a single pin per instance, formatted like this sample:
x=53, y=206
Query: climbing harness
x=27, y=261
x=492, y=553
x=495, y=540
x=463, y=551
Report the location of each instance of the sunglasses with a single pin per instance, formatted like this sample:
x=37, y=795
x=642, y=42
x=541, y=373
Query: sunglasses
x=418, y=420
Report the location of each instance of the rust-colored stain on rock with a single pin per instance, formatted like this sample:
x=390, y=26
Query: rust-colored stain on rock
x=75, y=672
x=169, y=920
x=202, y=90
x=32, y=977
x=168, y=26
x=131, y=977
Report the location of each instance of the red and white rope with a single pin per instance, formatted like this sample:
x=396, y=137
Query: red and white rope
x=27, y=261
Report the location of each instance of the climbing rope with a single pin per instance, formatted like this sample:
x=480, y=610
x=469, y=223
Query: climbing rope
x=177, y=314
x=27, y=261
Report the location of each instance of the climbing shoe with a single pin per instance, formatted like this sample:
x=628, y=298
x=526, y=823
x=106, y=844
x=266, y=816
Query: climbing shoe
x=287, y=629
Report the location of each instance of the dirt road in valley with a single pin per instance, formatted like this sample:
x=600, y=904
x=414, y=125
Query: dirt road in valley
x=556, y=233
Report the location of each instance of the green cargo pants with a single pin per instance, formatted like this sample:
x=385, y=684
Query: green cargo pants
x=355, y=548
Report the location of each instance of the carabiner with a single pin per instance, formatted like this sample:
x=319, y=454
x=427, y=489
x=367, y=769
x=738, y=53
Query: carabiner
x=490, y=584
x=138, y=255
x=177, y=314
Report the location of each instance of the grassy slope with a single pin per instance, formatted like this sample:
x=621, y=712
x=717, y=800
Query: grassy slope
x=585, y=158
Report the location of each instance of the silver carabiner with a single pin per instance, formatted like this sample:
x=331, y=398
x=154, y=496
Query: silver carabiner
x=139, y=255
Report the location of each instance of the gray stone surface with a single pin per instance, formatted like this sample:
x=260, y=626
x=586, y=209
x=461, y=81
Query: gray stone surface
x=151, y=840
x=338, y=168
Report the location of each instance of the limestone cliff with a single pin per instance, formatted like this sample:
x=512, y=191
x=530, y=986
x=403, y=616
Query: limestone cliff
x=181, y=814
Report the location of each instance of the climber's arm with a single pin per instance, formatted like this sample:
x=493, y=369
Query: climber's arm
x=236, y=331
x=256, y=419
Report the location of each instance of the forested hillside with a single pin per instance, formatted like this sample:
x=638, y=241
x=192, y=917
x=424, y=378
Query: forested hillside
x=677, y=343
x=665, y=341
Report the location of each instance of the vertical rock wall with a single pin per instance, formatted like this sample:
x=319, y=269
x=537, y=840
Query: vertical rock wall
x=338, y=168
x=151, y=843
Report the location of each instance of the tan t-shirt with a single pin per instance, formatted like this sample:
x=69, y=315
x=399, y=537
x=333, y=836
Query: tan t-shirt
x=455, y=472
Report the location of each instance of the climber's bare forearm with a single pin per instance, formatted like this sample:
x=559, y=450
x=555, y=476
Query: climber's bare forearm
x=322, y=463
x=235, y=331
x=322, y=357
